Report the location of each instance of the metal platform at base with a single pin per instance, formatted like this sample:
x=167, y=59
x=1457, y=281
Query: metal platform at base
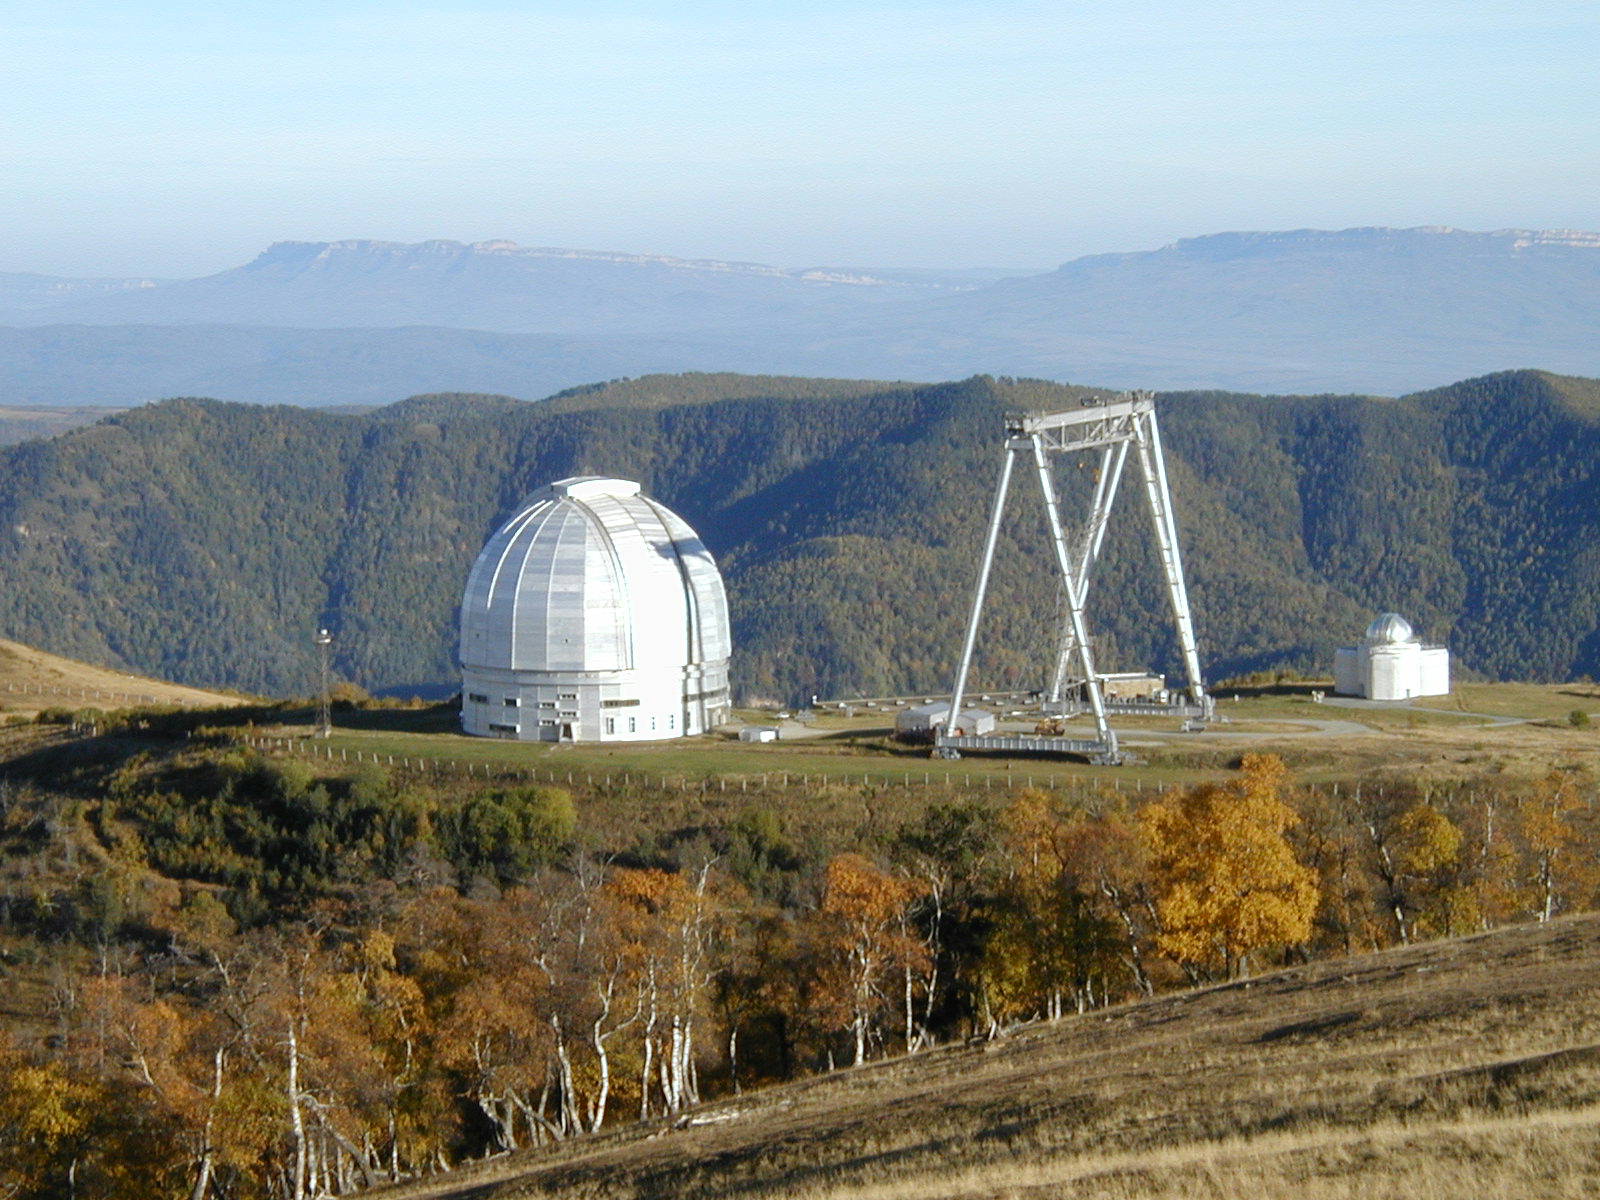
x=1131, y=708
x=1101, y=753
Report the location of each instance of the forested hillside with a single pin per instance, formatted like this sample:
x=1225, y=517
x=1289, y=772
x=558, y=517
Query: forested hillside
x=205, y=541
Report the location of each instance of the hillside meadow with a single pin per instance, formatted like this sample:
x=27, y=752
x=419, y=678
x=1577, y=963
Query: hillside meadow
x=235, y=965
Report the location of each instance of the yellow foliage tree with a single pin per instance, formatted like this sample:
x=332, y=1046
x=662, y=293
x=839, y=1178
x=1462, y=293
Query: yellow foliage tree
x=1226, y=879
x=1428, y=849
x=1558, y=873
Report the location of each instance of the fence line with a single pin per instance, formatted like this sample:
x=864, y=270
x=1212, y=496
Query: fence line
x=81, y=693
x=722, y=783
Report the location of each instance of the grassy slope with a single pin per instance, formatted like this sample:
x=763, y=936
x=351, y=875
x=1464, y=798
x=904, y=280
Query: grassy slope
x=31, y=680
x=18, y=424
x=1401, y=1074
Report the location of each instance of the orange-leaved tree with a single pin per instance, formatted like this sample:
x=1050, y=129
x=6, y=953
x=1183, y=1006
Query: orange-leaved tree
x=1226, y=878
x=866, y=936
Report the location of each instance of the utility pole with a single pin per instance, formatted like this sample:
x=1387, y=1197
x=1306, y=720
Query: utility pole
x=324, y=643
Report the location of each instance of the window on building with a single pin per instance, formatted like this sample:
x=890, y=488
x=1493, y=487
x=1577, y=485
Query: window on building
x=619, y=704
x=502, y=728
x=477, y=697
x=566, y=695
x=511, y=702
x=632, y=725
x=611, y=724
x=672, y=720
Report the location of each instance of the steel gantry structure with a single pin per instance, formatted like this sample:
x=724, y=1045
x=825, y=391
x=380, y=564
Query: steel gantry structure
x=1110, y=427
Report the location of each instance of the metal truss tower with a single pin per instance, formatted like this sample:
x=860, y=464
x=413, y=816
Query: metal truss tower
x=1111, y=428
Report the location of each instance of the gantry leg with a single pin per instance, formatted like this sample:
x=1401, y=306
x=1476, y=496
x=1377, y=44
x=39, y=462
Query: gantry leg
x=1112, y=460
x=958, y=693
x=1075, y=594
x=1152, y=466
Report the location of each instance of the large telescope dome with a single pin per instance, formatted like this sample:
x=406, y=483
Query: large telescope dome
x=594, y=614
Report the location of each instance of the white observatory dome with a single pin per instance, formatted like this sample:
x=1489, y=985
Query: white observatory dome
x=1389, y=629
x=594, y=614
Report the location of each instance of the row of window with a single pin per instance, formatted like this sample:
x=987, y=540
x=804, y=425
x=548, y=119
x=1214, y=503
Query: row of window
x=513, y=702
x=633, y=724
x=611, y=724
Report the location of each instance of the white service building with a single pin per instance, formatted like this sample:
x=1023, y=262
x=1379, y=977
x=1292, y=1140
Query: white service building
x=922, y=720
x=595, y=614
x=1391, y=663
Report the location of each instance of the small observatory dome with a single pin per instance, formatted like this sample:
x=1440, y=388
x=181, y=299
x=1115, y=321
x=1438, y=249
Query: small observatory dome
x=1389, y=629
x=594, y=614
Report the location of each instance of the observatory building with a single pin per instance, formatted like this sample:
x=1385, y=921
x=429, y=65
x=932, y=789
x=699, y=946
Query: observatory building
x=595, y=614
x=1391, y=664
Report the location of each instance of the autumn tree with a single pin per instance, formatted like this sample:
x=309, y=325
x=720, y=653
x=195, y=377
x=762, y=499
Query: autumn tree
x=1226, y=879
x=669, y=923
x=865, y=944
x=951, y=850
x=1557, y=872
x=1428, y=852
x=1050, y=938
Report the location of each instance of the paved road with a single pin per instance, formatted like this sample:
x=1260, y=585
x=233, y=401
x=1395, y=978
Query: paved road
x=1404, y=706
x=1317, y=727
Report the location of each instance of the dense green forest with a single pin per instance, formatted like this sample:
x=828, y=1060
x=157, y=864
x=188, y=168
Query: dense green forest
x=204, y=541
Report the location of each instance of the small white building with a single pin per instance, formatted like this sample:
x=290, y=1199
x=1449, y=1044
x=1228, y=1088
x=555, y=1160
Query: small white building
x=759, y=733
x=1391, y=663
x=920, y=722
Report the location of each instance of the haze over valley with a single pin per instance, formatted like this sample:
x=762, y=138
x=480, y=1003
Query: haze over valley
x=1382, y=311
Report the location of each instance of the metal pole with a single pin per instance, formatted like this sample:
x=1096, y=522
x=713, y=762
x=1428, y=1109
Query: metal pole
x=324, y=641
x=1116, y=457
x=1058, y=539
x=958, y=692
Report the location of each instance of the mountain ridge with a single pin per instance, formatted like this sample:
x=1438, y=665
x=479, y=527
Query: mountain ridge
x=216, y=537
x=1371, y=310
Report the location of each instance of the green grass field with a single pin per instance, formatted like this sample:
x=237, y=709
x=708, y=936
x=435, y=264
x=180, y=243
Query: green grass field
x=860, y=751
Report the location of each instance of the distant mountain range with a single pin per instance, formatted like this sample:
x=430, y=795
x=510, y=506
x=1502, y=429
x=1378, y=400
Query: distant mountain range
x=1365, y=310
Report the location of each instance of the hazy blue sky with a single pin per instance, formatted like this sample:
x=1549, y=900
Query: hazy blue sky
x=179, y=138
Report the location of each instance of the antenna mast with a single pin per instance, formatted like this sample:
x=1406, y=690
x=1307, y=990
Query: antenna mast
x=324, y=644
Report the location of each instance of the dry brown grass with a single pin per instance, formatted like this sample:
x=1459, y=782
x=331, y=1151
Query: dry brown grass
x=31, y=680
x=1456, y=1069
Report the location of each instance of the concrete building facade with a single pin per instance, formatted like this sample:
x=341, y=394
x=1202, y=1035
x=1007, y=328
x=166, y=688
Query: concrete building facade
x=1391, y=663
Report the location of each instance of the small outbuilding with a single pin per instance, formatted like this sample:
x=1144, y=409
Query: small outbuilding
x=1391, y=663
x=759, y=733
x=920, y=722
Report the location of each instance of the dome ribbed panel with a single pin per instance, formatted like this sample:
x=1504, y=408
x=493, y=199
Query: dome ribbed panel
x=597, y=581
x=710, y=640
x=489, y=605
